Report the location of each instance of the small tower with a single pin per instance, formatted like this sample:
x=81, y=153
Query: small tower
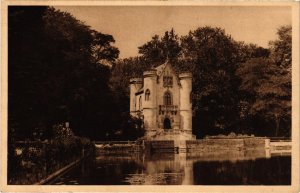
x=149, y=102
x=135, y=85
x=185, y=101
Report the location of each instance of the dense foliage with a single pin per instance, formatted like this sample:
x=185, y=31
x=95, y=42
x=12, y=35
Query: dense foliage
x=266, y=89
x=33, y=161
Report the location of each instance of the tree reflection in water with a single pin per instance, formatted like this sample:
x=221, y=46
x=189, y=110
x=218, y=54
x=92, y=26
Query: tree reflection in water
x=218, y=168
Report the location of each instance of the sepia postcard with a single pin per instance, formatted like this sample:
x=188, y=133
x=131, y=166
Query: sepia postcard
x=149, y=96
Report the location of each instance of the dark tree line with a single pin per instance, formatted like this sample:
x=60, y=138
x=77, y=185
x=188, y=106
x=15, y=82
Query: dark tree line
x=60, y=70
x=265, y=88
x=237, y=87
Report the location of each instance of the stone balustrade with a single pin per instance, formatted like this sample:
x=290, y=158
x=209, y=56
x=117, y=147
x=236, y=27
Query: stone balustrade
x=163, y=109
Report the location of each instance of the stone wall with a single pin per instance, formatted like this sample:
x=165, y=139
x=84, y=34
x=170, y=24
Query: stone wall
x=256, y=143
x=160, y=145
x=228, y=155
x=206, y=146
x=211, y=145
x=214, y=144
x=117, y=149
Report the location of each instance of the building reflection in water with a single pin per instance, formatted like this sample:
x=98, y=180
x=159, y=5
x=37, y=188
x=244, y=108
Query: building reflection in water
x=186, y=168
x=258, y=167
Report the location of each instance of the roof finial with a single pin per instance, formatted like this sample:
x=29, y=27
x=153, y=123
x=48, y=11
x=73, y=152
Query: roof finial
x=167, y=59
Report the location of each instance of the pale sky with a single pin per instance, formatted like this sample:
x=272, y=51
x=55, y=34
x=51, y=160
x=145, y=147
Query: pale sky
x=132, y=26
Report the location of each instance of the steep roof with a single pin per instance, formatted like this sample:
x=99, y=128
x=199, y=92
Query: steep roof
x=160, y=69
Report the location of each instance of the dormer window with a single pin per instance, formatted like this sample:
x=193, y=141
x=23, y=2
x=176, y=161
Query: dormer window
x=147, y=95
x=168, y=81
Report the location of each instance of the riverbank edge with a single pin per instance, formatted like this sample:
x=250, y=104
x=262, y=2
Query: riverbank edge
x=59, y=172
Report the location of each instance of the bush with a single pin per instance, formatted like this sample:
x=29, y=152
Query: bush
x=31, y=161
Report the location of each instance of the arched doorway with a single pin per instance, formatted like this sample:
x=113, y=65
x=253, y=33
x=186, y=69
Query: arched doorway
x=167, y=123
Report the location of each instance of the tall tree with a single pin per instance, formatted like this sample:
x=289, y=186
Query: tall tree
x=158, y=49
x=266, y=87
x=267, y=93
x=58, y=71
x=213, y=57
x=87, y=55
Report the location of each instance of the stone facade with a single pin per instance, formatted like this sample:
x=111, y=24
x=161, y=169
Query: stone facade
x=231, y=144
x=162, y=98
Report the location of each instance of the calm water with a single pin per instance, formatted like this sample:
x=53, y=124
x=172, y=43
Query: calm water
x=223, y=168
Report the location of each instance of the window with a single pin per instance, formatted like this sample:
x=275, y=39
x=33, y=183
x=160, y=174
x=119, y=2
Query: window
x=167, y=98
x=147, y=95
x=168, y=81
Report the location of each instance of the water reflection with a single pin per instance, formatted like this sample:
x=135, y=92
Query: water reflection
x=218, y=168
